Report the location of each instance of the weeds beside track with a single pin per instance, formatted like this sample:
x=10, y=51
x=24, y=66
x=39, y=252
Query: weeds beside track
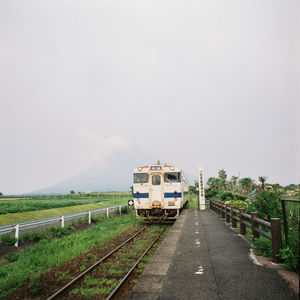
x=106, y=276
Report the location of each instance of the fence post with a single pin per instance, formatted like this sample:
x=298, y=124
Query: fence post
x=17, y=232
x=233, y=220
x=286, y=232
x=276, y=238
x=227, y=213
x=222, y=209
x=242, y=225
x=254, y=224
x=120, y=209
x=107, y=213
x=62, y=221
x=90, y=217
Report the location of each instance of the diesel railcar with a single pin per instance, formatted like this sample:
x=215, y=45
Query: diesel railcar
x=160, y=191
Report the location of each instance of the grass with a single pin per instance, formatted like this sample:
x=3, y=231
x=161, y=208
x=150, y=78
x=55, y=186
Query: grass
x=32, y=215
x=119, y=266
x=193, y=201
x=46, y=255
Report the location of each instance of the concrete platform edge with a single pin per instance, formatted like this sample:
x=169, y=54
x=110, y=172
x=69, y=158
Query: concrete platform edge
x=151, y=281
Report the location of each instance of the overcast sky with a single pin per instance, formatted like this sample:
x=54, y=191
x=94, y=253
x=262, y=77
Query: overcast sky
x=212, y=83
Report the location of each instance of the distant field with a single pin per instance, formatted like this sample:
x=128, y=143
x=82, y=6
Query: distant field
x=59, y=206
x=46, y=202
x=32, y=215
x=9, y=199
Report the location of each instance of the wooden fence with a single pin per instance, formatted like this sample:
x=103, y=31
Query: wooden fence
x=252, y=221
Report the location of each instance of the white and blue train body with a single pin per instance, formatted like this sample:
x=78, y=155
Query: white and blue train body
x=159, y=192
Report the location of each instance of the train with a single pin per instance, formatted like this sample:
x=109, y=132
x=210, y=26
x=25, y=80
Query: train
x=160, y=192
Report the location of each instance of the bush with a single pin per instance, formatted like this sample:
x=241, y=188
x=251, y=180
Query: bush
x=125, y=210
x=58, y=231
x=210, y=194
x=12, y=257
x=290, y=259
x=290, y=254
x=263, y=246
x=32, y=237
x=227, y=196
x=237, y=204
x=8, y=240
x=266, y=204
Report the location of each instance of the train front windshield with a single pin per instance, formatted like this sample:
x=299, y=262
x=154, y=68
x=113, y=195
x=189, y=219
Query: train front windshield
x=140, y=177
x=172, y=177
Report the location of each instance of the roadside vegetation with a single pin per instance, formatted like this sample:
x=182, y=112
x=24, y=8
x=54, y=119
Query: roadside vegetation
x=62, y=245
x=263, y=198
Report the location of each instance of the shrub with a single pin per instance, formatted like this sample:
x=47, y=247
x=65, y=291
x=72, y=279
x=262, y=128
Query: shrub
x=12, y=257
x=263, y=246
x=226, y=196
x=237, y=204
x=125, y=210
x=290, y=260
x=266, y=203
x=210, y=194
x=33, y=236
x=58, y=231
x=8, y=240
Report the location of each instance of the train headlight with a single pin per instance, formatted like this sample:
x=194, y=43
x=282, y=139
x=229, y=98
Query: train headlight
x=140, y=169
x=172, y=168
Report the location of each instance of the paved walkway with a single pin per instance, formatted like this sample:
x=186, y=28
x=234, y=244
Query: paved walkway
x=201, y=258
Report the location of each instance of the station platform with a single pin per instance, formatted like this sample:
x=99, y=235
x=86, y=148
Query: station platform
x=202, y=258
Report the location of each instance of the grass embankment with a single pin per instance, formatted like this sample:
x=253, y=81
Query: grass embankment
x=45, y=213
x=46, y=255
x=193, y=202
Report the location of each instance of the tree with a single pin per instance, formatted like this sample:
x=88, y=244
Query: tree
x=72, y=192
x=1, y=194
x=233, y=182
x=222, y=176
x=262, y=179
x=214, y=183
x=246, y=185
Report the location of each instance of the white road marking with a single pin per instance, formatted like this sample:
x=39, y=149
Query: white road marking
x=200, y=271
x=253, y=258
x=196, y=223
x=197, y=232
x=197, y=242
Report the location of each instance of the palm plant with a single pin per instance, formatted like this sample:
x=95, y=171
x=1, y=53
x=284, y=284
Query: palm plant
x=262, y=179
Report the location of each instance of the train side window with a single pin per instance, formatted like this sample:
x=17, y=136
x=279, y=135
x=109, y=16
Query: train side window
x=172, y=177
x=155, y=180
x=140, y=178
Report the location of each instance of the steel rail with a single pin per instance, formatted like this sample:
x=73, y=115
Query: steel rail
x=80, y=276
x=112, y=294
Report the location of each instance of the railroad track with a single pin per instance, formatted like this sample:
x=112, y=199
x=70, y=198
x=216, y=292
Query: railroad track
x=102, y=278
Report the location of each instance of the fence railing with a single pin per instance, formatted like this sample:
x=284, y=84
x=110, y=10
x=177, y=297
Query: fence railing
x=252, y=221
x=16, y=228
x=284, y=214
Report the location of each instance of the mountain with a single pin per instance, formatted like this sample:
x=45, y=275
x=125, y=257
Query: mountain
x=113, y=174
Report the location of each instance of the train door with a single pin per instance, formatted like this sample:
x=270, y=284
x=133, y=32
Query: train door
x=156, y=190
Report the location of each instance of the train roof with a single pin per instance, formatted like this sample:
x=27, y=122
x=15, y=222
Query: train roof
x=156, y=167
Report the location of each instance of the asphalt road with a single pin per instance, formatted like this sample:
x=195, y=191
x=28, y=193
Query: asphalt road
x=212, y=262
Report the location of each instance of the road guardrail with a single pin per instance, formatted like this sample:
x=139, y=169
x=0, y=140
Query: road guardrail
x=16, y=228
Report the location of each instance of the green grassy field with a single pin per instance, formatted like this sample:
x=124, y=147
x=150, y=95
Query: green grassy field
x=108, y=199
x=46, y=255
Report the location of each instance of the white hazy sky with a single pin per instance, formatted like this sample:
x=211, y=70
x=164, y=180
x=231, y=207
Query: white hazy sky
x=212, y=82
